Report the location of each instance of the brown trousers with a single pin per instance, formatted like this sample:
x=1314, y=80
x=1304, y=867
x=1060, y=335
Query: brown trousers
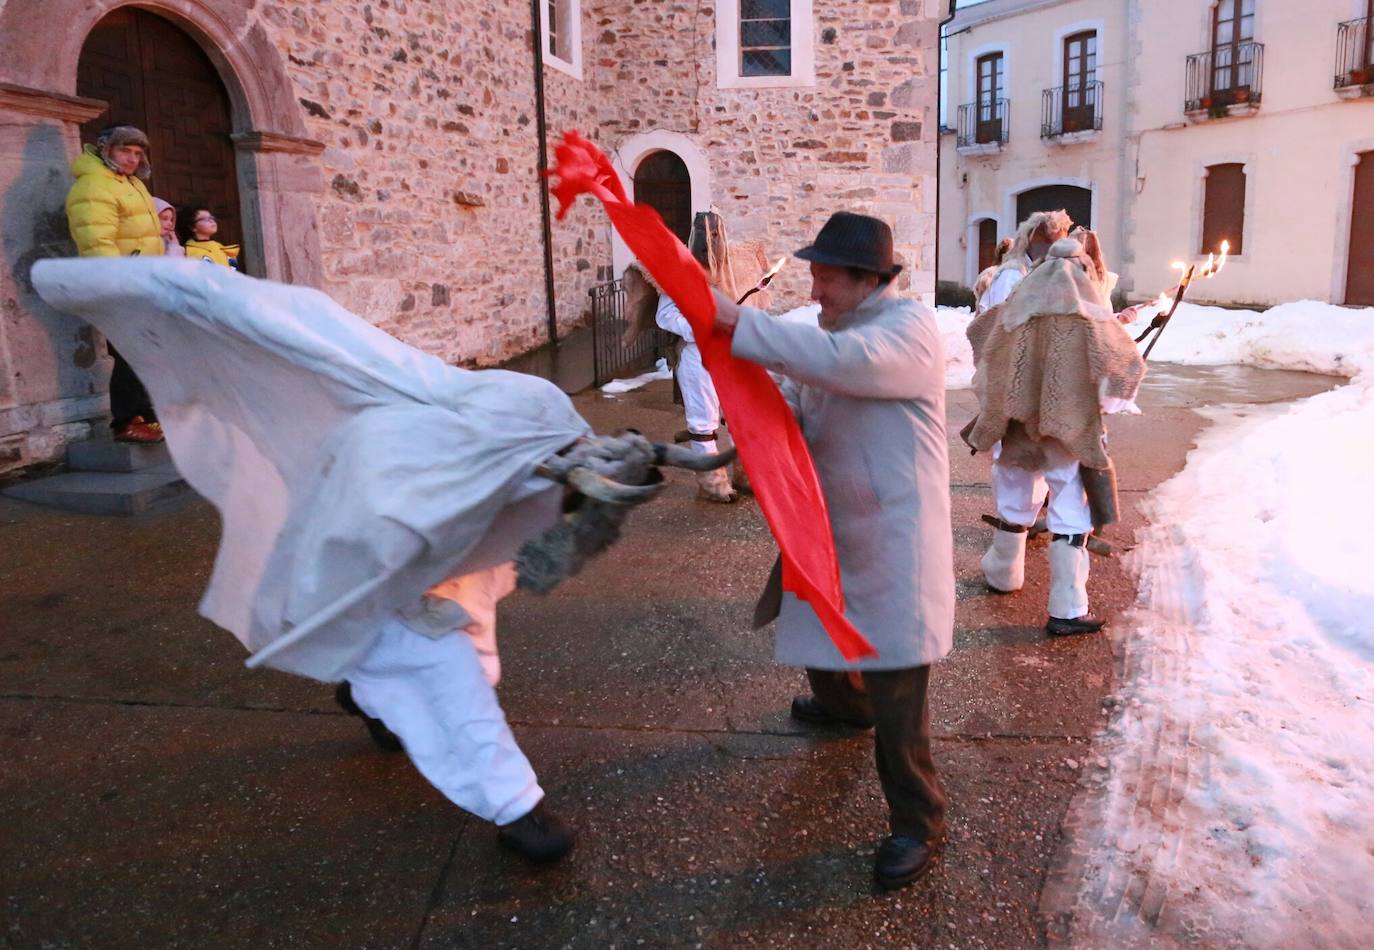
x=895, y=702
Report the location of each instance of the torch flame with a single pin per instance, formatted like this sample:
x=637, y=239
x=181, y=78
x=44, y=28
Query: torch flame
x=773, y=271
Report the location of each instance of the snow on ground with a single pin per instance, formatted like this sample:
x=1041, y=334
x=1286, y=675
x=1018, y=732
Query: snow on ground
x=617, y=386
x=1239, y=799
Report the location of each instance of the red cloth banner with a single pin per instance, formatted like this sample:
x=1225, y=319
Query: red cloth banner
x=771, y=446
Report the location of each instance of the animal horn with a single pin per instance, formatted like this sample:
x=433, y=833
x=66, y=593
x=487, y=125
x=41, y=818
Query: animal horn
x=608, y=490
x=678, y=456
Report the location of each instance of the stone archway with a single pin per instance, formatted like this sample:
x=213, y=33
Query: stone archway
x=156, y=78
x=631, y=152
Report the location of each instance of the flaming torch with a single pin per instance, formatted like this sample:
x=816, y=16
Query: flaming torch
x=764, y=281
x=1191, y=272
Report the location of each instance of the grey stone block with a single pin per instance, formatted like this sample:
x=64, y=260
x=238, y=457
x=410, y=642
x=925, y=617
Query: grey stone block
x=106, y=455
x=106, y=493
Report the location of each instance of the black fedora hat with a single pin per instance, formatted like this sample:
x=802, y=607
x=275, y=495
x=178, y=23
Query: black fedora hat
x=853, y=240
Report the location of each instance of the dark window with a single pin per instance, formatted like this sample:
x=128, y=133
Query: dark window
x=991, y=77
x=765, y=37
x=1075, y=201
x=1369, y=34
x=1233, y=51
x=987, y=244
x=1080, y=74
x=1223, y=207
x=553, y=30
x=663, y=183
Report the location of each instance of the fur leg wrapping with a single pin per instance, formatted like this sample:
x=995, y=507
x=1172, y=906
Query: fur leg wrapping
x=1004, y=564
x=715, y=486
x=1068, y=580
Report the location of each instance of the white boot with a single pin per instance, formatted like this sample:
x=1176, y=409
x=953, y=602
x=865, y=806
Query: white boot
x=1004, y=564
x=1069, y=589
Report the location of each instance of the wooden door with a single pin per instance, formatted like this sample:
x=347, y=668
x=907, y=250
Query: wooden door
x=987, y=244
x=663, y=183
x=1080, y=78
x=1359, y=275
x=991, y=77
x=157, y=78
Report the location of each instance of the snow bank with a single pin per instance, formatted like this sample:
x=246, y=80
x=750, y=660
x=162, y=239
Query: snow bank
x=1241, y=785
x=1306, y=335
x=617, y=386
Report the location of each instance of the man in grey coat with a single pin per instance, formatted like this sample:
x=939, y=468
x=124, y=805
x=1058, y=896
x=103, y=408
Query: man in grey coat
x=868, y=388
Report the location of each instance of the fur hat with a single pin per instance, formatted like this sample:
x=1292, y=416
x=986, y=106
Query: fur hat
x=113, y=136
x=1056, y=225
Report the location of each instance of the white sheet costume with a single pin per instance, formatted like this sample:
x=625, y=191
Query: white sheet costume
x=353, y=474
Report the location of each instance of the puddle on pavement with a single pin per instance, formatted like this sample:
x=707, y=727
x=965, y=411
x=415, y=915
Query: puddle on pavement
x=1172, y=384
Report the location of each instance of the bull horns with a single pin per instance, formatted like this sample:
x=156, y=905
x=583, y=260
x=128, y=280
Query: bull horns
x=677, y=456
x=601, y=488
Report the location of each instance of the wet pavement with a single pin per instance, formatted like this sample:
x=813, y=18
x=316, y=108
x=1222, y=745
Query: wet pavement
x=154, y=792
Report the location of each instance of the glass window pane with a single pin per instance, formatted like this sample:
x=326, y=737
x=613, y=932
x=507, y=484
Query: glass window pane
x=765, y=33
x=765, y=9
x=773, y=62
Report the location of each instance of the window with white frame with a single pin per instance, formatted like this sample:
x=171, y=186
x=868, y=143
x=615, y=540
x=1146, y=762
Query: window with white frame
x=765, y=43
x=560, y=22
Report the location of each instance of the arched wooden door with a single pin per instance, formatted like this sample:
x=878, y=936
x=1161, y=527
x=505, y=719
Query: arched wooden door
x=155, y=77
x=1078, y=202
x=663, y=183
x=1359, y=275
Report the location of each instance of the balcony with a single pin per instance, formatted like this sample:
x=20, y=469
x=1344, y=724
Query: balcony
x=983, y=126
x=1071, y=113
x=1225, y=81
x=1354, y=59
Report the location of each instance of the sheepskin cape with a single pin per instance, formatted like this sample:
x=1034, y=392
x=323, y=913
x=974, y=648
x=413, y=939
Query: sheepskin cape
x=1043, y=360
x=747, y=261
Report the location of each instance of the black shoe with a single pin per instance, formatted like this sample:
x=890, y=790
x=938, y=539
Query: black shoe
x=997, y=590
x=808, y=709
x=385, y=739
x=1084, y=624
x=540, y=837
x=901, y=861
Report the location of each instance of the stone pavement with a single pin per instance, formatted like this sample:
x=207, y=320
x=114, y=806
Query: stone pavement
x=153, y=792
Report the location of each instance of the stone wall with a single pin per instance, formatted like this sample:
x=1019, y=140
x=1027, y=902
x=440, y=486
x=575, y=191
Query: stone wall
x=430, y=224
x=861, y=139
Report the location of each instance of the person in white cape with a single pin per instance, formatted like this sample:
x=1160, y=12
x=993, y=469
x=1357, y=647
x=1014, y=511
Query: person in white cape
x=376, y=503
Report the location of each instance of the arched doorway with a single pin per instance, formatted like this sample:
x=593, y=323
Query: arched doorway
x=663, y=183
x=987, y=243
x=155, y=77
x=1078, y=202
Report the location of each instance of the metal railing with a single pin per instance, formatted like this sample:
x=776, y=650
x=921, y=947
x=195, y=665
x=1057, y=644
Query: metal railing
x=984, y=123
x=1354, y=55
x=609, y=357
x=1065, y=110
x=1225, y=76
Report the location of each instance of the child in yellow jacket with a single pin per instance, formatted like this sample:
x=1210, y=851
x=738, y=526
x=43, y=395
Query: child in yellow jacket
x=198, y=229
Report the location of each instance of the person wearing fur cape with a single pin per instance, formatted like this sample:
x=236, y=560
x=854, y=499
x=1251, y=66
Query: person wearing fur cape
x=1051, y=358
x=727, y=267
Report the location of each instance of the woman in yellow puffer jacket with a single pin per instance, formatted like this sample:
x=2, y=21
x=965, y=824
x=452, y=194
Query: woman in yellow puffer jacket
x=111, y=214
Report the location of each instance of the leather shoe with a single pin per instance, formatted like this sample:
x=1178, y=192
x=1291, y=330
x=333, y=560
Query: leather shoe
x=384, y=738
x=1084, y=624
x=540, y=837
x=808, y=709
x=901, y=861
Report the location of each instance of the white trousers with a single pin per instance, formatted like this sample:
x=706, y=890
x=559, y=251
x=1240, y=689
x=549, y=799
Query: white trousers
x=1019, y=493
x=698, y=394
x=435, y=692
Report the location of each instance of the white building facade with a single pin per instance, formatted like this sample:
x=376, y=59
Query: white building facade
x=1169, y=126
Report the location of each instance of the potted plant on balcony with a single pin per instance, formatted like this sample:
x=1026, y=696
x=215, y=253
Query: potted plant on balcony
x=1241, y=95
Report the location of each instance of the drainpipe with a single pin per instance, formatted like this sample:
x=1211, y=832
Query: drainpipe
x=542, y=131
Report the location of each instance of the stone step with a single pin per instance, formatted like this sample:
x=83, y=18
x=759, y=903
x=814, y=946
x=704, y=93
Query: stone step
x=106, y=493
x=106, y=455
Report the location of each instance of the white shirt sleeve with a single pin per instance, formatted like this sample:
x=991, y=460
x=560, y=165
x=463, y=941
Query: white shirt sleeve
x=999, y=290
x=670, y=318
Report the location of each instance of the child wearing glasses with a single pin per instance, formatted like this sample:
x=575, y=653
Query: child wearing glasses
x=197, y=229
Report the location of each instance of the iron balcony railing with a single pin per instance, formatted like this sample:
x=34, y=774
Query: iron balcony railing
x=1068, y=109
x=1225, y=76
x=609, y=357
x=986, y=122
x=1354, y=53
